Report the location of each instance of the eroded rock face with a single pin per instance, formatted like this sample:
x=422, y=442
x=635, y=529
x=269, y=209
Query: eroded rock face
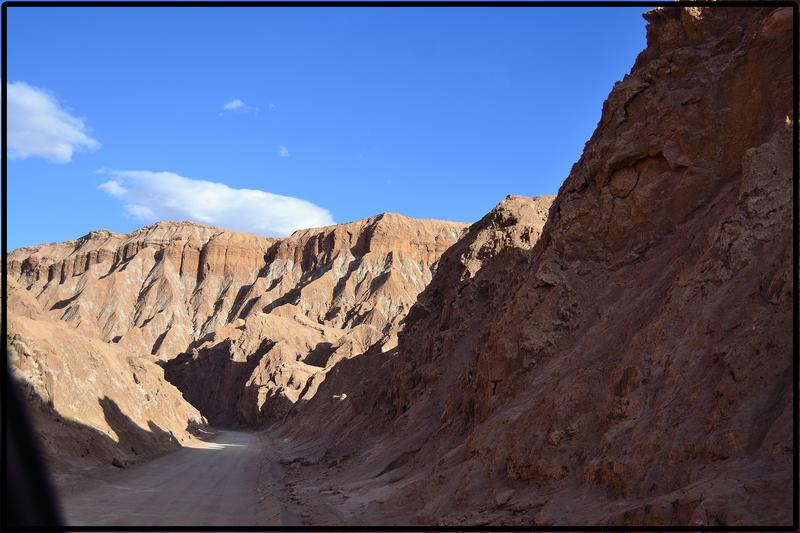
x=153, y=291
x=324, y=295
x=247, y=326
x=632, y=366
x=90, y=402
x=364, y=272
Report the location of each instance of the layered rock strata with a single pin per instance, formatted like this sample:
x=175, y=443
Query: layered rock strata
x=245, y=326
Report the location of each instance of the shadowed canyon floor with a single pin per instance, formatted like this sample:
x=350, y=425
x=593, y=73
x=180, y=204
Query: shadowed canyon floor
x=212, y=483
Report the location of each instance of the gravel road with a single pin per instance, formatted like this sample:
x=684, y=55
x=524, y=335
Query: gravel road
x=213, y=484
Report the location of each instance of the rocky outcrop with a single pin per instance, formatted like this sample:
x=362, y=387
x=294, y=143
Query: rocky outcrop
x=365, y=272
x=324, y=295
x=153, y=291
x=91, y=403
x=246, y=326
x=633, y=365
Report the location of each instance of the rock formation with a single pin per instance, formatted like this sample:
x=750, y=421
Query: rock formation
x=245, y=326
x=633, y=365
x=153, y=291
x=323, y=295
x=618, y=355
x=90, y=402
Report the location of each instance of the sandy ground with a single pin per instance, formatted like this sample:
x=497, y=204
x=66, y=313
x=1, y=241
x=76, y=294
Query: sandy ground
x=223, y=481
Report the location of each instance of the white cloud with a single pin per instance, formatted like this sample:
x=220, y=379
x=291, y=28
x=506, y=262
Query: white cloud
x=238, y=106
x=141, y=212
x=151, y=196
x=272, y=107
x=113, y=188
x=39, y=127
x=283, y=151
x=233, y=105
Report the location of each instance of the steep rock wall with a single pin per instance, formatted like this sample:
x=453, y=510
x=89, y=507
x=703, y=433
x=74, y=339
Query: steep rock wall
x=90, y=402
x=635, y=365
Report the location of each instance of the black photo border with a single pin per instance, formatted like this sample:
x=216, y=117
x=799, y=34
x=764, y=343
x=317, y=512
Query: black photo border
x=399, y=4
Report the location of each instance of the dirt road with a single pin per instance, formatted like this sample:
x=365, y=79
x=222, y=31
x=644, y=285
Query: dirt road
x=213, y=484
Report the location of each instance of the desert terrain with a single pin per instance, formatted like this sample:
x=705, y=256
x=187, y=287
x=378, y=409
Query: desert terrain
x=617, y=354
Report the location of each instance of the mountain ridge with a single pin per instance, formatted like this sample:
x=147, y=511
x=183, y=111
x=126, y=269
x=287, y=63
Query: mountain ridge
x=184, y=291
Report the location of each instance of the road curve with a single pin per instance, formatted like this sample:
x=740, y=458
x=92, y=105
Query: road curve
x=211, y=485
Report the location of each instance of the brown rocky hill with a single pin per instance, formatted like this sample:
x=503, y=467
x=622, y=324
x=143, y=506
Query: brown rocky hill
x=90, y=402
x=248, y=325
x=631, y=366
x=153, y=291
x=324, y=295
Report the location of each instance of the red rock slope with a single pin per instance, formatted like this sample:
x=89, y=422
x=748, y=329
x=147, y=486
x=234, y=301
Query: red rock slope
x=635, y=365
x=91, y=403
x=249, y=326
x=323, y=295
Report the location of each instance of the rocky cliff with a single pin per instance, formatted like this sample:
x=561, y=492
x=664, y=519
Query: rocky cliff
x=90, y=402
x=632, y=365
x=153, y=291
x=323, y=295
x=245, y=326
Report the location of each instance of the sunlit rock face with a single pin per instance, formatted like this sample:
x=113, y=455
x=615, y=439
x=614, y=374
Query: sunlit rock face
x=323, y=295
x=90, y=402
x=152, y=291
x=253, y=324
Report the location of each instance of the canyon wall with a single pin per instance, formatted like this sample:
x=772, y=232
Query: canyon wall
x=91, y=403
x=245, y=326
x=631, y=366
x=153, y=291
x=323, y=295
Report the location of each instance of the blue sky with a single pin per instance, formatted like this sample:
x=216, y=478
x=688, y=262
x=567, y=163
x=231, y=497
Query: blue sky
x=119, y=118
